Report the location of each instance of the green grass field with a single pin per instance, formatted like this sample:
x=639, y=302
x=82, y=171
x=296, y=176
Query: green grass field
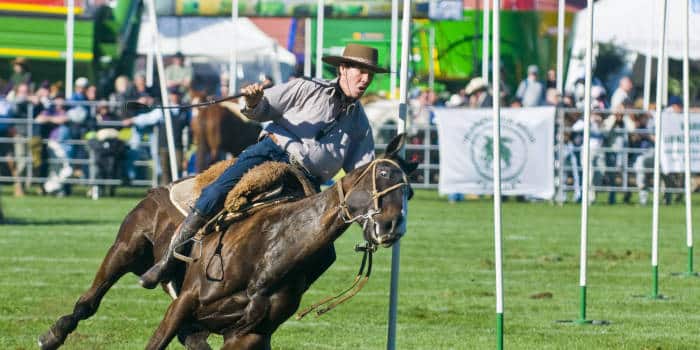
x=53, y=247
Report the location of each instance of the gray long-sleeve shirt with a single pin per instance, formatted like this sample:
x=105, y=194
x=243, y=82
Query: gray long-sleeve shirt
x=304, y=109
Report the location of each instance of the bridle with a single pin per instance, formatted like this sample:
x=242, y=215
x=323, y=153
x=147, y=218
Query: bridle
x=329, y=303
x=371, y=212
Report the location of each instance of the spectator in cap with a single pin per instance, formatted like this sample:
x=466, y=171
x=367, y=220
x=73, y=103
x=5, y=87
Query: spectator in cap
x=530, y=91
x=675, y=104
x=478, y=92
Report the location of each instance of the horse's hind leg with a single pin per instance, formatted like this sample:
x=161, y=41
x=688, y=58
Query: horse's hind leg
x=124, y=256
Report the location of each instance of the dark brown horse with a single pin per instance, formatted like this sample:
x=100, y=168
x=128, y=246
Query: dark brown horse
x=219, y=129
x=268, y=258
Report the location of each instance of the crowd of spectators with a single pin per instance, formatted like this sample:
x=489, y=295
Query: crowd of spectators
x=622, y=138
x=88, y=115
x=617, y=125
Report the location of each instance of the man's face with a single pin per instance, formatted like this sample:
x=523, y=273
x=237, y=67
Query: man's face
x=355, y=80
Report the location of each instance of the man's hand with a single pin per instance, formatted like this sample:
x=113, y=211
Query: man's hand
x=252, y=93
x=128, y=122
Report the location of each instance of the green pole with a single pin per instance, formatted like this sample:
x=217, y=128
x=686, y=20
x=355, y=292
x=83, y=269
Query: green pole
x=582, y=317
x=690, y=260
x=655, y=281
x=499, y=330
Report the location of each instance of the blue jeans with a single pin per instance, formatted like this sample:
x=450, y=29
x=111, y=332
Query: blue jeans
x=211, y=201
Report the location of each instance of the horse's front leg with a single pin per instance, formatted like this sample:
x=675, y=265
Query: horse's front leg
x=179, y=312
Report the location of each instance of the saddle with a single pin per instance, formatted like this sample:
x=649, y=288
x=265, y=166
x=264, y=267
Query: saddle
x=264, y=185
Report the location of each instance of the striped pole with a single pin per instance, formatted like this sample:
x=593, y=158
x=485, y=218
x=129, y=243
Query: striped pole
x=560, y=47
x=307, y=47
x=70, y=25
x=233, y=53
x=647, y=62
x=394, y=45
x=485, y=42
x=657, y=154
x=497, y=237
x=401, y=127
x=319, y=38
x=686, y=132
x=586, y=162
x=163, y=93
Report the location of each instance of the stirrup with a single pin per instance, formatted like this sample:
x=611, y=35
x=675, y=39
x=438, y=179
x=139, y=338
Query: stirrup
x=195, y=243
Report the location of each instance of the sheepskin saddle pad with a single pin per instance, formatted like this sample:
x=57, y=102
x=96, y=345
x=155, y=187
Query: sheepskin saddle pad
x=265, y=182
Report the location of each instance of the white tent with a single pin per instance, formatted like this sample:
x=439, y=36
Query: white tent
x=210, y=38
x=632, y=24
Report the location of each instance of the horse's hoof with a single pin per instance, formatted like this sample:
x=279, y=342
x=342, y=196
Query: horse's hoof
x=49, y=341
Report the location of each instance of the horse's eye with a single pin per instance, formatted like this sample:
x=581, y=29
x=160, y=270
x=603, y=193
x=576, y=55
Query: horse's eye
x=383, y=173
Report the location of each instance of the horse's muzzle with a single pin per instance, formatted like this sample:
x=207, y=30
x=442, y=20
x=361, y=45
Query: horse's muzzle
x=387, y=233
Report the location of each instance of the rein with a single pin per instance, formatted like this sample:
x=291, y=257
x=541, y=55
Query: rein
x=332, y=301
x=369, y=248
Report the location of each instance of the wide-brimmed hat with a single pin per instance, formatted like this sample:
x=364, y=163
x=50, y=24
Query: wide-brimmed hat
x=358, y=55
x=476, y=84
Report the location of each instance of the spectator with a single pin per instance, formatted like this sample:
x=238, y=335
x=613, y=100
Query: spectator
x=121, y=93
x=23, y=107
x=552, y=97
x=642, y=141
x=551, y=82
x=79, y=91
x=599, y=97
x=478, y=92
x=141, y=127
x=675, y=106
x=180, y=119
x=53, y=127
x=20, y=73
x=177, y=75
x=140, y=87
x=596, y=154
x=616, y=128
x=623, y=93
x=530, y=91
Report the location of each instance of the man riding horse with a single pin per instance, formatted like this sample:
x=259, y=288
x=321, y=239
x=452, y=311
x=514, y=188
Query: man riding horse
x=318, y=125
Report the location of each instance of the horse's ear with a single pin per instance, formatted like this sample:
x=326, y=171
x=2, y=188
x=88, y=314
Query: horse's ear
x=395, y=146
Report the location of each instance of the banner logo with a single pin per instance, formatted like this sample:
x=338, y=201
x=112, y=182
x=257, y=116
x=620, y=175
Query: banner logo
x=515, y=141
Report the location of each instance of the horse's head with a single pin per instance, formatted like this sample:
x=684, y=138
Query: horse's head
x=376, y=197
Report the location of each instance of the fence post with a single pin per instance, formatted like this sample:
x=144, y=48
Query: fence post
x=30, y=134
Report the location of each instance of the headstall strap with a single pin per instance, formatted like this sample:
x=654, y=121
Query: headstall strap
x=345, y=211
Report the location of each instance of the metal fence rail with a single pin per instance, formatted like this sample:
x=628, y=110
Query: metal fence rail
x=613, y=167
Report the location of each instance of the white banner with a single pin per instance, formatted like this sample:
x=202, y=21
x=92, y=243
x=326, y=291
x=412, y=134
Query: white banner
x=527, y=151
x=673, y=143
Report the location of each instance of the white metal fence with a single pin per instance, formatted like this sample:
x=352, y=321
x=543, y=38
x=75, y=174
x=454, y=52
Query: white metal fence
x=615, y=166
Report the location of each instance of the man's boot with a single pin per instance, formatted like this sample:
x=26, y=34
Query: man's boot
x=192, y=223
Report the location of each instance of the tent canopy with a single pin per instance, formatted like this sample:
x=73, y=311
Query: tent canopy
x=212, y=37
x=635, y=24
